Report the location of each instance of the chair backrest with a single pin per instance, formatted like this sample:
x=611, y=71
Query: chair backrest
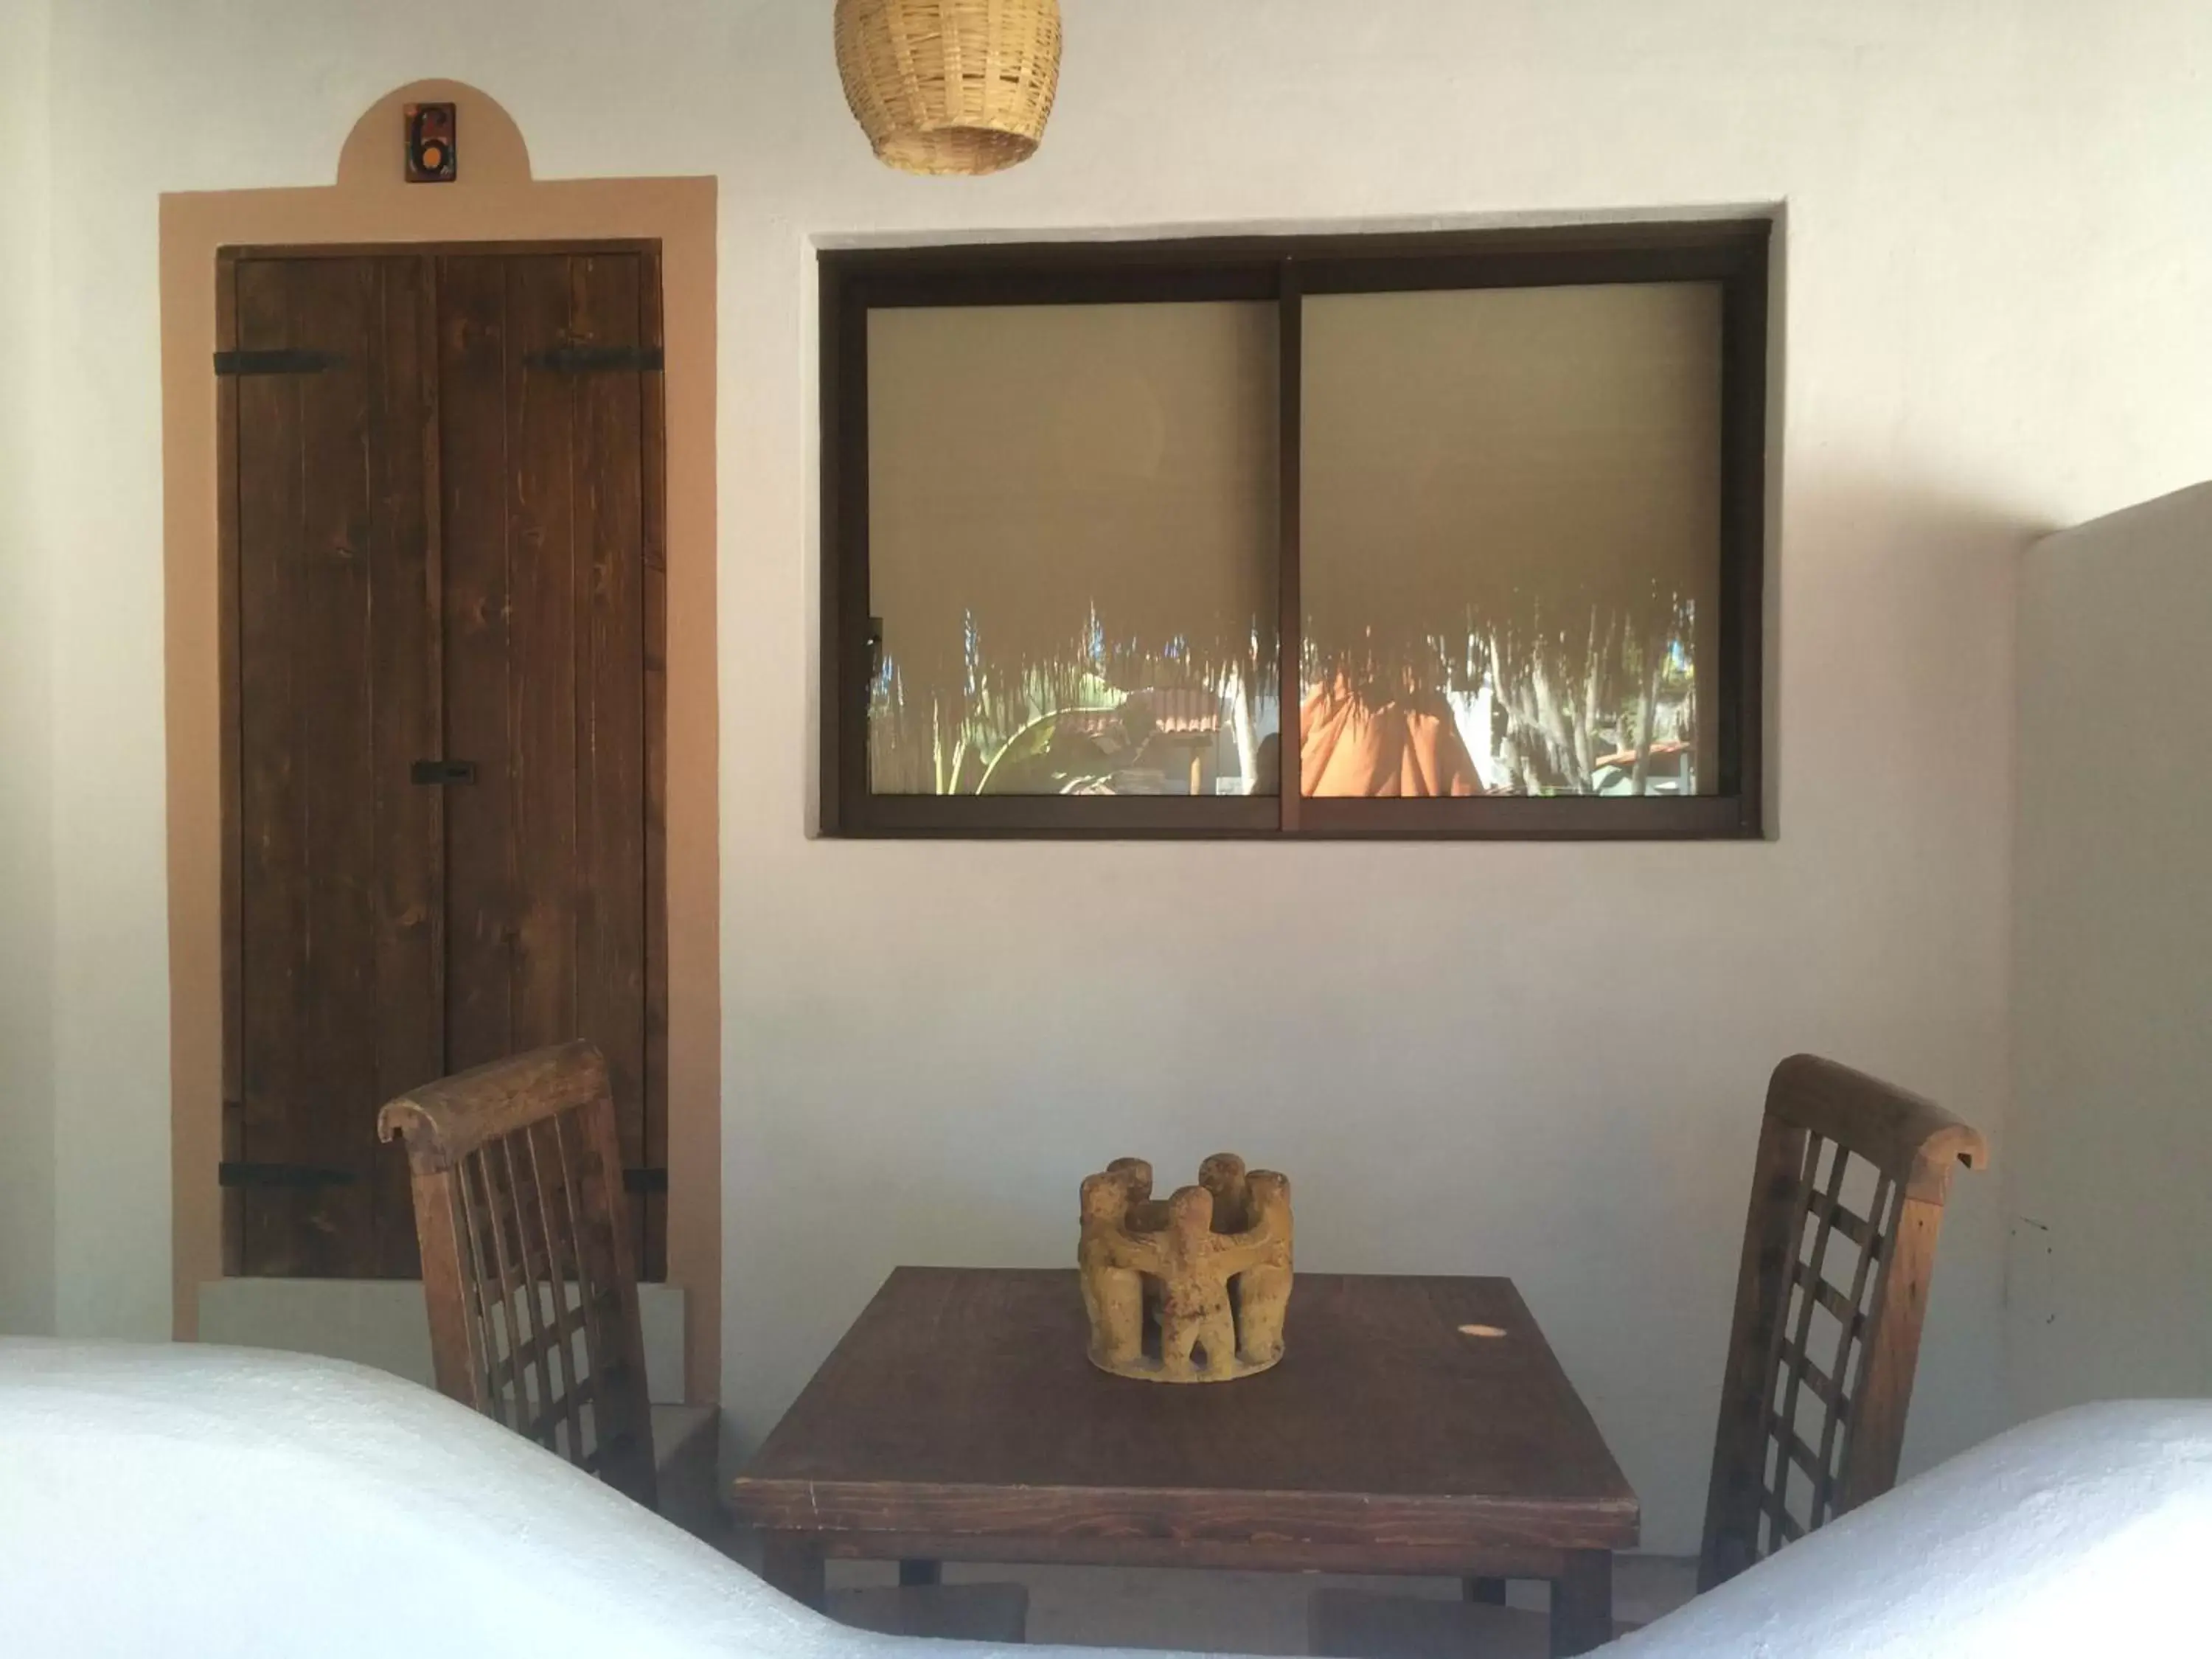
x=527, y=1262
x=1846, y=1202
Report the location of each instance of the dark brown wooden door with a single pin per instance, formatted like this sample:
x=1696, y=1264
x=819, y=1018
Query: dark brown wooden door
x=446, y=478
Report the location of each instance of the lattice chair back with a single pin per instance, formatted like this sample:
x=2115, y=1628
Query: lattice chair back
x=527, y=1262
x=1840, y=1246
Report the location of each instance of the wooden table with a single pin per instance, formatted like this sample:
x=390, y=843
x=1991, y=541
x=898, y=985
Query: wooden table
x=1415, y=1425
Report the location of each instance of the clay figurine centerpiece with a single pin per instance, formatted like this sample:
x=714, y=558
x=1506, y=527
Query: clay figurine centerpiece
x=1191, y=1288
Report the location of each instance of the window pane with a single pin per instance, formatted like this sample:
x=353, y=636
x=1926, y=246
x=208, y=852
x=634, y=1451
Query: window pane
x=1072, y=549
x=1511, y=541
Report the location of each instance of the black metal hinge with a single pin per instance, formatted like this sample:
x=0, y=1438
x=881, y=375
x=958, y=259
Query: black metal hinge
x=282, y=1174
x=645, y=1181
x=438, y=772
x=588, y=360
x=275, y=362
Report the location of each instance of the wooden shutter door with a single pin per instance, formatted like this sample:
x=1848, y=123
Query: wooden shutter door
x=545, y=470
x=445, y=517
x=338, y=916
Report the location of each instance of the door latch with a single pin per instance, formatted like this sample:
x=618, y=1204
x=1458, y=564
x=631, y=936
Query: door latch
x=438, y=773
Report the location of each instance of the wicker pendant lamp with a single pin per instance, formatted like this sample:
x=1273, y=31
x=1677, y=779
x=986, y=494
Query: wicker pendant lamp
x=950, y=86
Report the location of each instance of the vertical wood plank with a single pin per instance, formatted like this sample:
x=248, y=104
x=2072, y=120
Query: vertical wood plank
x=653, y=1207
x=543, y=576
x=407, y=845
x=335, y=1114
x=473, y=470
x=228, y=761
x=308, y=1063
x=611, y=786
x=268, y=513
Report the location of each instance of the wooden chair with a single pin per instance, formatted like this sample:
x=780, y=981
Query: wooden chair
x=532, y=1293
x=526, y=1262
x=1846, y=1202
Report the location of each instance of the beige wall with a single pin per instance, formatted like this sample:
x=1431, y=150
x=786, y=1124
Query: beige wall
x=2112, y=1137
x=494, y=199
x=26, y=634
x=1539, y=1059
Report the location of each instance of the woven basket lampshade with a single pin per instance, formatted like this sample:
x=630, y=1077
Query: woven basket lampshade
x=950, y=86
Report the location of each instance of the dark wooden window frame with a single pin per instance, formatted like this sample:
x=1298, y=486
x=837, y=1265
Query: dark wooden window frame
x=1281, y=270
x=648, y=1187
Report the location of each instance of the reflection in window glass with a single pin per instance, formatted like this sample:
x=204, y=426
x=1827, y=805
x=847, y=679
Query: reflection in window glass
x=1072, y=549
x=1511, y=541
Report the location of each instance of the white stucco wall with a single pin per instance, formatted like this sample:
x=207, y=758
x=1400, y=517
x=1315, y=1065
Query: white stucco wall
x=1538, y=1060
x=27, y=627
x=2112, y=1130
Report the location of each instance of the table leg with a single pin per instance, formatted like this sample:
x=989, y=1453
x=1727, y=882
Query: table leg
x=1581, y=1603
x=792, y=1563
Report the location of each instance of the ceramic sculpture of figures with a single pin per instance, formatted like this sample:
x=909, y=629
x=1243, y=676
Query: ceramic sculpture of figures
x=1190, y=1289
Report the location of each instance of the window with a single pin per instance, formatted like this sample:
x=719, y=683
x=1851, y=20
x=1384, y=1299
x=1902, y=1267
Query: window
x=1484, y=510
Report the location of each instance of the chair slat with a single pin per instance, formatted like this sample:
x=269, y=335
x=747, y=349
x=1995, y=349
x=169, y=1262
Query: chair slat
x=484, y=1358
x=1818, y=1290
x=509, y=1369
x=1807, y=1274
x=1837, y=1426
x=534, y=1319
x=504, y=1284
x=1795, y=1449
x=562, y=1412
x=1799, y=1210
x=1779, y=1522
x=590, y=1303
x=1822, y=1387
x=565, y=1325
x=1849, y=1225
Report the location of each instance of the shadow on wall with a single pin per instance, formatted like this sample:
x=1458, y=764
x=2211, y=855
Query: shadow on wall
x=1540, y=1060
x=1902, y=590
x=1893, y=674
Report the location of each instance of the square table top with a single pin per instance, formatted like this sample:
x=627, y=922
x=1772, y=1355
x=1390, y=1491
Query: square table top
x=1413, y=1416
